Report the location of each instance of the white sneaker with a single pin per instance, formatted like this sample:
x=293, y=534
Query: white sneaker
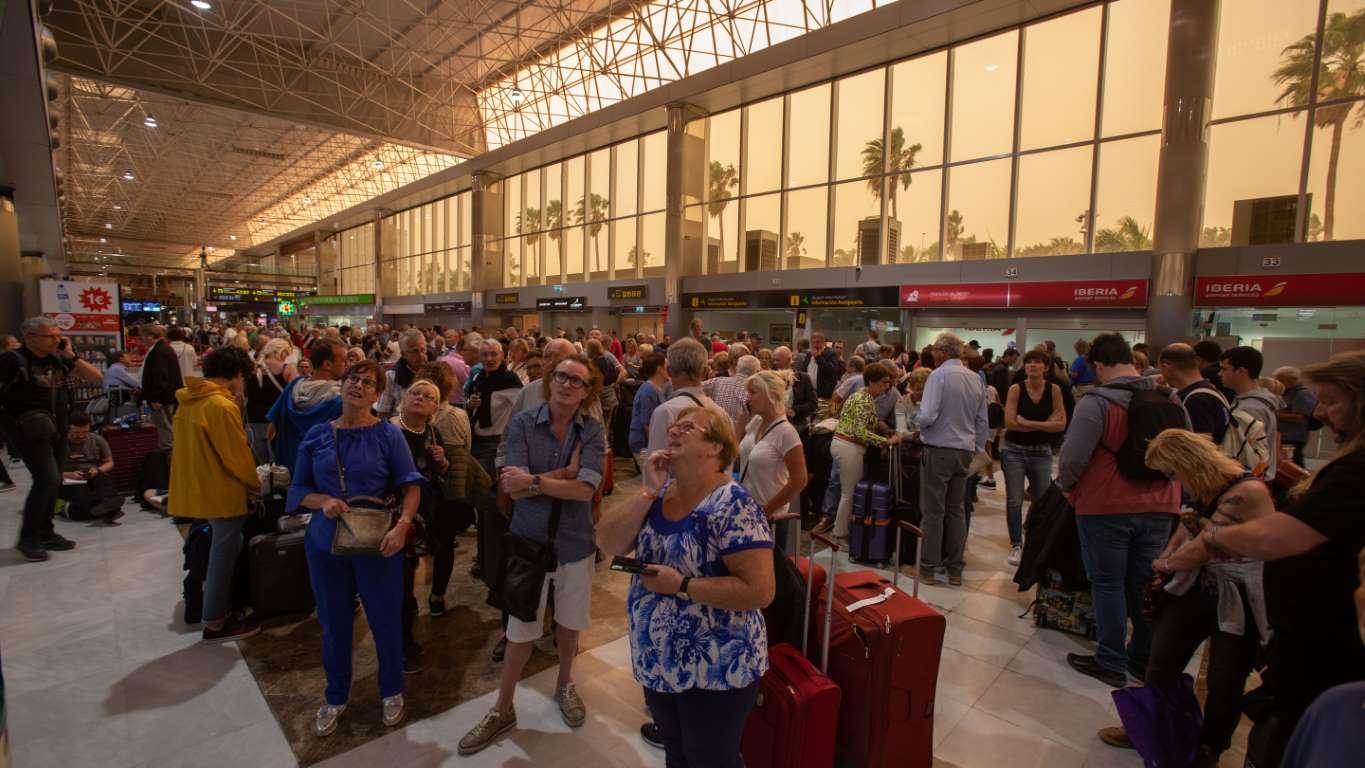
x=1015, y=554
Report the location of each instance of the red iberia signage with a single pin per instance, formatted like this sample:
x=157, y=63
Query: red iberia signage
x=1342, y=289
x=1060, y=294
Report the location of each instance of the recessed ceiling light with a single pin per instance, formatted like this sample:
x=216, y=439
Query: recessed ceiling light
x=127, y=175
x=307, y=199
x=118, y=207
x=232, y=237
x=377, y=164
x=104, y=240
x=149, y=121
x=201, y=5
x=107, y=225
x=517, y=96
x=992, y=67
x=209, y=249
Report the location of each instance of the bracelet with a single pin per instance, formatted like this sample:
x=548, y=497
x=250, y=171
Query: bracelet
x=402, y=521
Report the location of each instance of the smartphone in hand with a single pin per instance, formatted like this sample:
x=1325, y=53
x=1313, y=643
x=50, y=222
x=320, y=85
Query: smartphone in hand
x=628, y=564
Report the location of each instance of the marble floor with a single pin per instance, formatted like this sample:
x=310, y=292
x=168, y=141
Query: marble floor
x=98, y=670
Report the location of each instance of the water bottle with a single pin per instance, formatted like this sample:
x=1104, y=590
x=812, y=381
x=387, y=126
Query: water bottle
x=63, y=298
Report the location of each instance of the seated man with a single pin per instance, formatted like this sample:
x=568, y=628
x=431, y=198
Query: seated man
x=87, y=491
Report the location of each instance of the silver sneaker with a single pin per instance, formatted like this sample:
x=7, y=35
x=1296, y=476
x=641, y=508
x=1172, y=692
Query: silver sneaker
x=326, y=721
x=394, y=710
x=493, y=725
x=1016, y=553
x=571, y=706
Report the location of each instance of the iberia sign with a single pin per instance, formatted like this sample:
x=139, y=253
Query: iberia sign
x=1342, y=289
x=1058, y=294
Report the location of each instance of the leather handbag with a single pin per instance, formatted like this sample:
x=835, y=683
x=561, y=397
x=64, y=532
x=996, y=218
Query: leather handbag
x=361, y=530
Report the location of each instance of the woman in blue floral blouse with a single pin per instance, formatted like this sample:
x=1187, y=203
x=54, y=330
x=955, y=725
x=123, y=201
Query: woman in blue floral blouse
x=698, y=644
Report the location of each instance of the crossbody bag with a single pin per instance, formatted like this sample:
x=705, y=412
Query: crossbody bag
x=526, y=563
x=361, y=530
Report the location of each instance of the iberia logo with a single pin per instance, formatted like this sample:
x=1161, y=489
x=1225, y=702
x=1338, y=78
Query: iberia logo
x=96, y=299
x=1276, y=289
x=1128, y=294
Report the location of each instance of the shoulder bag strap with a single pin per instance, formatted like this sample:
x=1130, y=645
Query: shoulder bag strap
x=557, y=505
x=336, y=451
x=745, y=472
x=691, y=397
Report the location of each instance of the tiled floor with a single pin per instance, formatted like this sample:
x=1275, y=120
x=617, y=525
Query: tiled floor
x=99, y=671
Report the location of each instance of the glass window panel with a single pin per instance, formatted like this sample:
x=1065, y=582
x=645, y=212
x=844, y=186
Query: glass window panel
x=439, y=239
x=1054, y=192
x=466, y=220
x=803, y=244
x=723, y=155
x=1342, y=51
x=511, y=260
x=762, y=222
x=428, y=233
x=859, y=137
x=511, y=201
x=531, y=252
x=1275, y=142
x=599, y=252
x=1061, y=69
x=917, y=95
x=1133, y=86
x=652, y=234
x=857, y=223
x=466, y=269
x=627, y=178
x=764, y=147
x=656, y=171
x=808, y=158
x=554, y=261
x=722, y=237
x=573, y=189
x=573, y=254
x=452, y=219
x=1337, y=204
x=599, y=165
x=1253, y=36
x=983, y=96
x=626, y=250
x=977, y=220
x=554, y=204
x=533, y=216
x=1125, y=195
x=914, y=217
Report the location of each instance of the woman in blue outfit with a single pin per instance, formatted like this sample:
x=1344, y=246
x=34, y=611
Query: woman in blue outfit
x=377, y=462
x=698, y=643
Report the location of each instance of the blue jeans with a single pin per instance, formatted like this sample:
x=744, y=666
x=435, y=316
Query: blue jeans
x=1033, y=462
x=1118, y=551
x=832, y=492
x=702, y=729
x=336, y=580
x=224, y=550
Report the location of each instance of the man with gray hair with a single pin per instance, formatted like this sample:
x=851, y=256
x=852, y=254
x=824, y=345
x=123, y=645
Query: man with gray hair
x=685, y=361
x=727, y=390
x=160, y=380
x=35, y=401
x=954, y=427
x=414, y=355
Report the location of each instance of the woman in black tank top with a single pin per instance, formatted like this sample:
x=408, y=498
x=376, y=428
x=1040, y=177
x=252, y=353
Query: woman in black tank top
x=1034, y=414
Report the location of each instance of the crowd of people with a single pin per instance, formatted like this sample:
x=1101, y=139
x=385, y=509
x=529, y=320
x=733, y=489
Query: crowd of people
x=1184, y=465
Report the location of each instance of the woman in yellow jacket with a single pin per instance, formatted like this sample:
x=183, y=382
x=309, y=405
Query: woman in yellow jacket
x=212, y=475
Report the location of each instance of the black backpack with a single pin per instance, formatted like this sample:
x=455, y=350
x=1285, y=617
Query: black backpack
x=1150, y=412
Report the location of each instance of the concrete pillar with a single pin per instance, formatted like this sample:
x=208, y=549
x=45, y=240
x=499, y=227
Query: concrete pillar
x=485, y=200
x=679, y=159
x=378, y=266
x=1190, y=56
x=11, y=266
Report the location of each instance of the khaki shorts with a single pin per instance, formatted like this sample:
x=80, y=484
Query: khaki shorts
x=573, y=596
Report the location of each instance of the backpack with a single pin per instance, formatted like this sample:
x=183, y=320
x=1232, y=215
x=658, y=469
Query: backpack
x=1245, y=438
x=1150, y=412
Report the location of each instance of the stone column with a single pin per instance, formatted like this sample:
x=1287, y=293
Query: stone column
x=681, y=148
x=1190, y=58
x=378, y=218
x=485, y=200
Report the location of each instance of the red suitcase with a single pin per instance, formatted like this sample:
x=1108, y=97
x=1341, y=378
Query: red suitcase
x=792, y=723
x=884, y=656
x=130, y=448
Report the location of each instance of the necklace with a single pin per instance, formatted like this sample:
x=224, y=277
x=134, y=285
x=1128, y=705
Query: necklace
x=405, y=426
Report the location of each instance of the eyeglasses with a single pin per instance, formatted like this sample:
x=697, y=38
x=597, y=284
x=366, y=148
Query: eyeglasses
x=369, y=383
x=569, y=380
x=681, y=427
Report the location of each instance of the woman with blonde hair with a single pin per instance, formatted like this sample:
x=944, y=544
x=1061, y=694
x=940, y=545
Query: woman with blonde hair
x=263, y=387
x=772, y=462
x=1222, y=602
x=517, y=351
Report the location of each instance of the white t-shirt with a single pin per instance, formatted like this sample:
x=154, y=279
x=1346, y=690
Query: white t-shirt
x=763, y=462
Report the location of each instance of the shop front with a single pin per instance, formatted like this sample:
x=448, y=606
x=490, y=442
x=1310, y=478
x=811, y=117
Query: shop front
x=259, y=306
x=782, y=317
x=351, y=309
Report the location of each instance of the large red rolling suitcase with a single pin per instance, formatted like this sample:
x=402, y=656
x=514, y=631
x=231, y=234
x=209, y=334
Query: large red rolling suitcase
x=883, y=653
x=792, y=723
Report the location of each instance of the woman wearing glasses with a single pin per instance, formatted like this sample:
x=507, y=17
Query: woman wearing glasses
x=376, y=461
x=553, y=461
x=697, y=638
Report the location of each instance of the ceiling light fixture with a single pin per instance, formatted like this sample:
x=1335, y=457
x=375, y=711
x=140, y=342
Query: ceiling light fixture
x=201, y=5
x=992, y=67
x=127, y=175
x=104, y=240
x=232, y=237
x=107, y=225
x=517, y=97
x=118, y=207
x=307, y=199
x=378, y=164
x=149, y=121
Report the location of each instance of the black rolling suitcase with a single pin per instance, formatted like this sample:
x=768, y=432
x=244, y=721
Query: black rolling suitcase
x=279, y=575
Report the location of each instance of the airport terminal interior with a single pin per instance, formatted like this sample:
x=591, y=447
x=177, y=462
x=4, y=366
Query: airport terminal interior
x=927, y=241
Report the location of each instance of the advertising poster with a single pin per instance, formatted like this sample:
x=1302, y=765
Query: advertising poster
x=86, y=311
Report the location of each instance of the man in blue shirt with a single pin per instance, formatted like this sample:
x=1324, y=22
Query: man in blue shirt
x=1082, y=372
x=954, y=427
x=117, y=375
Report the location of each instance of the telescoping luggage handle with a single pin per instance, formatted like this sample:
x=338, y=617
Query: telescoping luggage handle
x=894, y=454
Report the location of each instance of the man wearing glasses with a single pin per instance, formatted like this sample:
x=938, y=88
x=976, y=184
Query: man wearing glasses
x=34, y=404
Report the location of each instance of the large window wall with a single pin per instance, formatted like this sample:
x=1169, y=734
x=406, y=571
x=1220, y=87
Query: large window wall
x=427, y=248
x=354, y=265
x=1294, y=100
x=597, y=216
x=1023, y=143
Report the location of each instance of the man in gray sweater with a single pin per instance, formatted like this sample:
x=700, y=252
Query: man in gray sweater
x=1240, y=370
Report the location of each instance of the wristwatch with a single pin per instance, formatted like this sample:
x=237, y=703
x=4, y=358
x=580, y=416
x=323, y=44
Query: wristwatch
x=535, y=485
x=682, y=588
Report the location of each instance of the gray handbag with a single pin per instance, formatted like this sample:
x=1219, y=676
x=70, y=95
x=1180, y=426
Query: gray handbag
x=361, y=530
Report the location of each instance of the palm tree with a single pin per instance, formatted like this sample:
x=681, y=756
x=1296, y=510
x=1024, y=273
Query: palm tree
x=1341, y=75
x=554, y=219
x=594, y=214
x=795, y=249
x=1127, y=236
x=953, y=232
x=900, y=162
x=721, y=185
